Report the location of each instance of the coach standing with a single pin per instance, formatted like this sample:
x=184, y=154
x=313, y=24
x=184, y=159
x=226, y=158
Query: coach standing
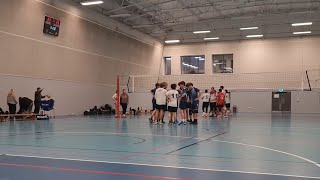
x=37, y=100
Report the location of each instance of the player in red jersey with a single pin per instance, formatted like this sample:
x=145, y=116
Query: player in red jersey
x=213, y=102
x=221, y=102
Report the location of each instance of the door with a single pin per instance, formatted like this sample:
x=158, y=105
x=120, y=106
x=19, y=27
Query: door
x=281, y=101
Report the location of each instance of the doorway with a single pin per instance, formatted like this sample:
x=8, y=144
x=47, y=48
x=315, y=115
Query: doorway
x=281, y=102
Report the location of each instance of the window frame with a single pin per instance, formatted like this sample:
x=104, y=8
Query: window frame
x=198, y=64
x=165, y=59
x=224, y=63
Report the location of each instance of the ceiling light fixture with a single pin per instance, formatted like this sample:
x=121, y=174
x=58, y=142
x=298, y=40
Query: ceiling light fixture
x=213, y=38
x=302, y=24
x=255, y=36
x=201, y=32
x=303, y=32
x=248, y=28
x=119, y=15
x=172, y=41
x=88, y=3
x=143, y=25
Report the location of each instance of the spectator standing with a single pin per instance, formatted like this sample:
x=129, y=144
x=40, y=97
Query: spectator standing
x=124, y=101
x=37, y=100
x=12, y=102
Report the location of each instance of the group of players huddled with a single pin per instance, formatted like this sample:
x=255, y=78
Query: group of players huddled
x=187, y=97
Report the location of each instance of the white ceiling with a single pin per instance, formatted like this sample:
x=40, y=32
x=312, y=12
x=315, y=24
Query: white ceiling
x=177, y=19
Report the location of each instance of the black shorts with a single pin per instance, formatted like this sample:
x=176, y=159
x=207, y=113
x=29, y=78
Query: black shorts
x=195, y=107
x=154, y=105
x=188, y=105
x=161, y=107
x=228, y=105
x=213, y=106
x=183, y=105
x=205, y=104
x=220, y=107
x=172, y=109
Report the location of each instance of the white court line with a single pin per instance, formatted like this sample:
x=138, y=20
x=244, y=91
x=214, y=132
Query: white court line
x=153, y=165
x=230, y=142
x=110, y=133
x=270, y=149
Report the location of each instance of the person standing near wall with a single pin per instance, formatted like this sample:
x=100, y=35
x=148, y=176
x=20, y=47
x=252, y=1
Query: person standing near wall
x=124, y=101
x=115, y=100
x=37, y=100
x=12, y=102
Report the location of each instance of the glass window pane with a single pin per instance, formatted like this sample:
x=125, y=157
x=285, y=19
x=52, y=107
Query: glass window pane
x=167, y=65
x=193, y=64
x=222, y=63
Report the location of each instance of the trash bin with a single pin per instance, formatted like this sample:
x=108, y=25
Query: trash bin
x=234, y=109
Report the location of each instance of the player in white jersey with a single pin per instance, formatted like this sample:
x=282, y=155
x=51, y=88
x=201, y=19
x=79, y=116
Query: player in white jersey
x=161, y=101
x=228, y=101
x=205, y=103
x=172, y=96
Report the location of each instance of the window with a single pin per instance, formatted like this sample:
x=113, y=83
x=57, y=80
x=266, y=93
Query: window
x=192, y=64
x=167, y=65
x=222, y=63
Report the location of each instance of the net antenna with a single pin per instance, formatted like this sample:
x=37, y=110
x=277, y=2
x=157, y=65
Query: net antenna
x=313, y=77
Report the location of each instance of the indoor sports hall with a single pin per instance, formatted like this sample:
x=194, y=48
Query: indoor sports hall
x=159, y=89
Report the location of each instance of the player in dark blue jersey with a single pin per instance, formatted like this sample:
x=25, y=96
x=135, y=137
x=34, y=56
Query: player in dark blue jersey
x=194, y=94
x=153, y=92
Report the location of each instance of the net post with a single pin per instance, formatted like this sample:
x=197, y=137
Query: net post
x=118, y=98
x=133, y=84
x=310, y=89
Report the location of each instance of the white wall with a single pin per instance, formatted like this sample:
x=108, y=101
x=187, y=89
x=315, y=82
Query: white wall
x=305, y=102
x=79, y=67
x=70, y=97
x=254, y=56
x=261, y=102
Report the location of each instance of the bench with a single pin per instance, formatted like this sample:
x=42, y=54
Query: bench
x=4, y=117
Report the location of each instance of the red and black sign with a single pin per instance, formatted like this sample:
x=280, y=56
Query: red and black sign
x=51, y=26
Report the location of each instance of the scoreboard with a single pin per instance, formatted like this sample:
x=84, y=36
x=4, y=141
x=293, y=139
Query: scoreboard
x=51, y=26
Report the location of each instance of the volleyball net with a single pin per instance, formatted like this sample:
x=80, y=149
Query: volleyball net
x=271, y=81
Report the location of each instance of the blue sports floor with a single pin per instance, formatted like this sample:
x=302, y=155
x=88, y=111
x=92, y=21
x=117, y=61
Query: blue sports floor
x=244, y=147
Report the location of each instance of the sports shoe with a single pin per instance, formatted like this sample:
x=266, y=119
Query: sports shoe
x=181, y=123
x=184, y=123
x=195, y=122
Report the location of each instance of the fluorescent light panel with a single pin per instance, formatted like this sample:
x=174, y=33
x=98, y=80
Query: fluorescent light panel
x=255, y=36
x=119, y=15
x=303, y=32
x=172, y=41
x=248, y=28
x=213, y=38
x=201, y=32
x=88, y=3
x=302, y=24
